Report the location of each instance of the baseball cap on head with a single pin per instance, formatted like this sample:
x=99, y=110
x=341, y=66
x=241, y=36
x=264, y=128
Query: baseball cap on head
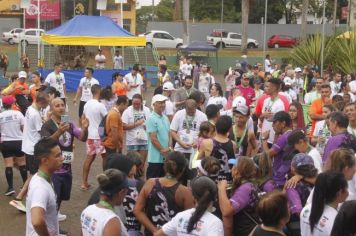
x=239, y=101
x=22, y=74
x=242, y=109
x=158, y=98
x=168, y=86
x=302, y=159
x=298, y=69
x=8, y=100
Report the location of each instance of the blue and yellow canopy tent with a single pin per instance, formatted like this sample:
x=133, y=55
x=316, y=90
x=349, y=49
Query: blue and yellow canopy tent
x=90, y=31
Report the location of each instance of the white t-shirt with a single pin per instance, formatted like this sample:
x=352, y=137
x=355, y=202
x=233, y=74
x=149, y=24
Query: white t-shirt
x=352, y=189
x=321, y=130
x=351, y=131
x=335, y=87
x=352, y=85
x=287, y=95
x=133, y=80
x=274, y=107
x=324, y=225
x=268, y=67
x=187, y=128
x=10, y=125
x=219, y=101
x=57, y=81
x=100, y=61
x=208, y=224
x=41, y=194
x=118, y=62
x=86, y=83
x=186, y=69
x=129, y=117
x=315, y=155
x=169, y=110
x=94, y=111
x=31, y=130
x=94, y=219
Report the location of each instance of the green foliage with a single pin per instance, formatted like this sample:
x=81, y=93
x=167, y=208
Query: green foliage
x=203, y=10
x=275, y=11
x=338, y=52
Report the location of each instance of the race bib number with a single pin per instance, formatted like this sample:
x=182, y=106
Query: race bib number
x=68, y=157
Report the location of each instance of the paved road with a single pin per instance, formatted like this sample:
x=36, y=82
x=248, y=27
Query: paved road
x=13, y=222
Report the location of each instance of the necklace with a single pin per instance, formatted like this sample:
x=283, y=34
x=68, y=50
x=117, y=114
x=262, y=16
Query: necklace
x=170, y=177
x=106, y=204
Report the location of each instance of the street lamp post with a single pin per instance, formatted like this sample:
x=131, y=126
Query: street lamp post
x=38, y=32
x=221, y=22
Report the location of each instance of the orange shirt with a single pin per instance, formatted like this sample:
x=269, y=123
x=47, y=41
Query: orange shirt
x=33, y=93
x=19, y=88
x=113, y=121
x=120, y=89
x=317, y=108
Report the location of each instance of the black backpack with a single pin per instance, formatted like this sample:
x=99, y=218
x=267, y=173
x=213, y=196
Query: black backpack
x=102, y=129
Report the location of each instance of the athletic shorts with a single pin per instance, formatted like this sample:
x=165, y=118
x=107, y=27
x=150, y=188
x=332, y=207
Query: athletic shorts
x=62, y=184
x=137, y=147
x=95, y=147
x=32, y=164
x=12, y=149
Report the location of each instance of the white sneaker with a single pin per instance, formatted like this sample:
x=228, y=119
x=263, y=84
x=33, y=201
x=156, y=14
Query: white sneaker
x=61, y=217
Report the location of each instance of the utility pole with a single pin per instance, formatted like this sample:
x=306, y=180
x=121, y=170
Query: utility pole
x=186, y=4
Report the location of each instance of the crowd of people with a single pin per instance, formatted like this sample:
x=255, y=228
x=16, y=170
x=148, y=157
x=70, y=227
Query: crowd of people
x=268, y=151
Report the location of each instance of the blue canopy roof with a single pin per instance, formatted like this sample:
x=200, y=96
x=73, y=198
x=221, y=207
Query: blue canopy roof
x=99, y=26
x=92, y=31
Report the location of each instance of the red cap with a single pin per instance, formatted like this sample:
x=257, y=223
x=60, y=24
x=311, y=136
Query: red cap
x=8, y=100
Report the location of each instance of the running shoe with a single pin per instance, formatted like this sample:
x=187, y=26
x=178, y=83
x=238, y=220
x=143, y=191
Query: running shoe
x=61, y=217
x=62, y=232
x=9, y=192
x=18, y=205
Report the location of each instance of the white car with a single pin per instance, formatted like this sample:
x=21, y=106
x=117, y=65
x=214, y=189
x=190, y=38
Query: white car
x=161, y=39
x=221, y=38
x=9, y=36
x=29, y=36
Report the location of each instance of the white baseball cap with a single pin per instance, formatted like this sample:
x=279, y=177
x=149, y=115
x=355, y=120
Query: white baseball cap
x=298, y=69
x=168, y=86
x=238, y=101
x=158, y=98
x=22, y=74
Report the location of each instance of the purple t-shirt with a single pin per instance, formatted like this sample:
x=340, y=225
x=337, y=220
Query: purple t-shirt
x=243, y=197
x=333, y=143
x=298, y=196
x=280, y=167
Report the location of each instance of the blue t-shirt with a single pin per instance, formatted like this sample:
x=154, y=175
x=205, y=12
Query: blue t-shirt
x=158, y=124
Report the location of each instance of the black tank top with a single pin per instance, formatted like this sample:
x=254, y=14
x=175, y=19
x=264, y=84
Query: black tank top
x=223, y=152
x=161, y=205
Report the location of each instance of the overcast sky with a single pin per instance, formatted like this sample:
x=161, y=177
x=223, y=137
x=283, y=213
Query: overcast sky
x=147, y=2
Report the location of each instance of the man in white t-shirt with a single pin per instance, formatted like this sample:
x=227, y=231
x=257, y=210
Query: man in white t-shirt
x=271, y=105
x=95, y=112
x=134, y=119
x=41, y=206
x=335, y=84
x=84, y=89
x=185, y=127
x=186, y=68
x=118, y=61
x=352, y=85
x=134, y=81
x=100, y=60
x=56, y=79
x=268, y=65
x=168, y=89
x=203, y=81
x=350, y=111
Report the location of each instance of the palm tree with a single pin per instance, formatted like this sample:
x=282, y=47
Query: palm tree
x=245, y=8
x=304, y=18
x=178, y=10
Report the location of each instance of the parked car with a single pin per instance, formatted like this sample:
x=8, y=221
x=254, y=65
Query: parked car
x=161, y=39
x=9, y=36
x=28, y=36
x=280, y=40
x=221, y=38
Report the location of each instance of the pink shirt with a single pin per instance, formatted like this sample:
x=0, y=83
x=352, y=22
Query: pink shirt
x=248, y=93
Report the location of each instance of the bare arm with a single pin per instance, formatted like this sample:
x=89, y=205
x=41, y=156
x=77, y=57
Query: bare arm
x=112, y=227
x=78, y=94
x=139, y=210
x=134, y=125
x=38, y=221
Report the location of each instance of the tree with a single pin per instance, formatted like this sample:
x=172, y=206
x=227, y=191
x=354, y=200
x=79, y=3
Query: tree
x=257, y=11
x=305, y=7
x=210, y=11
x=245, y=8
x=334, y=16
